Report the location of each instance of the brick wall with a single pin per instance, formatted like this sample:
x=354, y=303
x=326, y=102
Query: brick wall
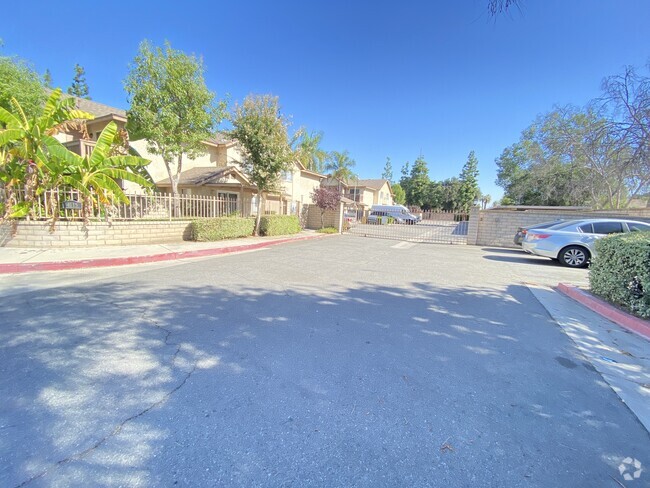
x=332, y=218
x=75, y=234
x=498, y=227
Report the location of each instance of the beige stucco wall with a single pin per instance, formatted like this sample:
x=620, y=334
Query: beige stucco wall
x=300, y=188
x=383, y=196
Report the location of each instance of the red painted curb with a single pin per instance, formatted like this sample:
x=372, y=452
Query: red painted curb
x=625, y=320
x=153, y=258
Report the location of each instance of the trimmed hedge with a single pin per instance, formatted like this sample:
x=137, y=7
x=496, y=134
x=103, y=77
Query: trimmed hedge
x=620, y=272
x=220, y=228
x=279, y=225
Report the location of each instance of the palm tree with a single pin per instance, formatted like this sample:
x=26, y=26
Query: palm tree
x=307, y=148
x=340, y=166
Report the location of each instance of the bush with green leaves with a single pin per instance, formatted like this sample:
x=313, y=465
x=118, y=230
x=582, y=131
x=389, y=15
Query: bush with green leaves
x=328, y=230
x=220, y=228
x=620, y=272
x=279, y=225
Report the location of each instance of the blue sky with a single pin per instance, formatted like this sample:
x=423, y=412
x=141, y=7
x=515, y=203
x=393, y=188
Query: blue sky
x=378, y=78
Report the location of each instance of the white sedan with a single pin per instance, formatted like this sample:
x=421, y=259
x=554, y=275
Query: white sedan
x=572, y=243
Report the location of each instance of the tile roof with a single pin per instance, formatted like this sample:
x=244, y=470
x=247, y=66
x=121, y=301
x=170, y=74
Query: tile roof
x=201, y=176
x=374, y=184
x=98, y=109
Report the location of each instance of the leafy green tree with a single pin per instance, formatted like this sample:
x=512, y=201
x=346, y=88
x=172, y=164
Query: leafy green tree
x=261, y=130
x=398, y=194
x=469, y=190
x=20, y=81
x=47, y=79
x=308, y=151
x=450, y=194
x=388, y=171
x=340, y=166
x=435, y=196
x=31, y=158
x=416, y=192
x=171, y=107
x=79, y=87
x=405, y=179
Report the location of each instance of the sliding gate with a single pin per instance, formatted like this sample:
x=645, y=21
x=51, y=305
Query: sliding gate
x=437, y=227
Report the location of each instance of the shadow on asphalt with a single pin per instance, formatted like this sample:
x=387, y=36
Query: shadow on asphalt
x=523, y=259
x=119, y=385
x=504, y=250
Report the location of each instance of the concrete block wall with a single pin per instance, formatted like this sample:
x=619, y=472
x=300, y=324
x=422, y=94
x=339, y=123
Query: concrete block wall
x=37, y=234
x=332, y=218
x=498, y=227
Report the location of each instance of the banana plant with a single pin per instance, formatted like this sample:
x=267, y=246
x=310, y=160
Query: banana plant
x=94, y=175
x=28, y=148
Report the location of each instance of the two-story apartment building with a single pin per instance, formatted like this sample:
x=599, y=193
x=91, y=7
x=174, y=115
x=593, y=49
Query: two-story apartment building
x=217, y=172
x=365, y=193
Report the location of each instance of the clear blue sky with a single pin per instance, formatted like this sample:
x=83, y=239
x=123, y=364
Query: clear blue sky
x=378, y=78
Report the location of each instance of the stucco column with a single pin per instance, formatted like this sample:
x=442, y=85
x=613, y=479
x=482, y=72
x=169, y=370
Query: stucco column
x=340, y=221
x=472, y=228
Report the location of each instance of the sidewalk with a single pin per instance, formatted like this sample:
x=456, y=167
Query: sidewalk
x=24, y=260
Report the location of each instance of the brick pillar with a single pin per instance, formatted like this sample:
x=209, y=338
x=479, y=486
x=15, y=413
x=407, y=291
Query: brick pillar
x=474, y=222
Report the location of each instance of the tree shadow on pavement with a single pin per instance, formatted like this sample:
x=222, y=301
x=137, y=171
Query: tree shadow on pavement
x=365, y=385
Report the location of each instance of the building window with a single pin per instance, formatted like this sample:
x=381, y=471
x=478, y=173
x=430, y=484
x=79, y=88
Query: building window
x=287, y=175
x=227, y=203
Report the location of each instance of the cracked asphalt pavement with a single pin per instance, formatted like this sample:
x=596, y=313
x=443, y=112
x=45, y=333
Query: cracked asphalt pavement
x=344, y=361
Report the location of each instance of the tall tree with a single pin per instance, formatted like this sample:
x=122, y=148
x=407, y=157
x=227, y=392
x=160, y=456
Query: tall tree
x=20, y=81
x=405, y=179
x=308, y=151
x=47, y=79
x=469, y=189
x=79, y=87
x=627, y=96
x=416, y=192
x=171, y=107
x=388, y=171
x=340, y=166
x=399, y=196
x=261, y=130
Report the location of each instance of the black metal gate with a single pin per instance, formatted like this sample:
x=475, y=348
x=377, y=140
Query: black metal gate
x=437, y=227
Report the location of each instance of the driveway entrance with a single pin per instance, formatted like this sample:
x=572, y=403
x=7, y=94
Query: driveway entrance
x=439, y=227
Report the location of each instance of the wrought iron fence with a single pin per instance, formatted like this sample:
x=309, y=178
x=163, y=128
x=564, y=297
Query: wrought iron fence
x=68, y=204
x=435, y=227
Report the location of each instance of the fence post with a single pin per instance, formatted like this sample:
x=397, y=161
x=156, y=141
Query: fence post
x=169, y=196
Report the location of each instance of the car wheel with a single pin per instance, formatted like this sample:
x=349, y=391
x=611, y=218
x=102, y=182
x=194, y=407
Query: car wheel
x=574, y=257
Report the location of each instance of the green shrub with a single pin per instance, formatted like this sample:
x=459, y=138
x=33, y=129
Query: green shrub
x=217, y=229
x=620, y=272
x=328, y=230
x=279, y=225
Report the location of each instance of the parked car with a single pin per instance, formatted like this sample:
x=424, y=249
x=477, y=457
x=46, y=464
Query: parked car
x=572, y=243
x=399, y=214
x=522, y=231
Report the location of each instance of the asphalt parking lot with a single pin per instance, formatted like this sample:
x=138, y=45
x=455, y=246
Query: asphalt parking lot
x=345, y=361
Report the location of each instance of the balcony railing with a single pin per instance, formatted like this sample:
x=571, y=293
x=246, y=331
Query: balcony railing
x=82, y=147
